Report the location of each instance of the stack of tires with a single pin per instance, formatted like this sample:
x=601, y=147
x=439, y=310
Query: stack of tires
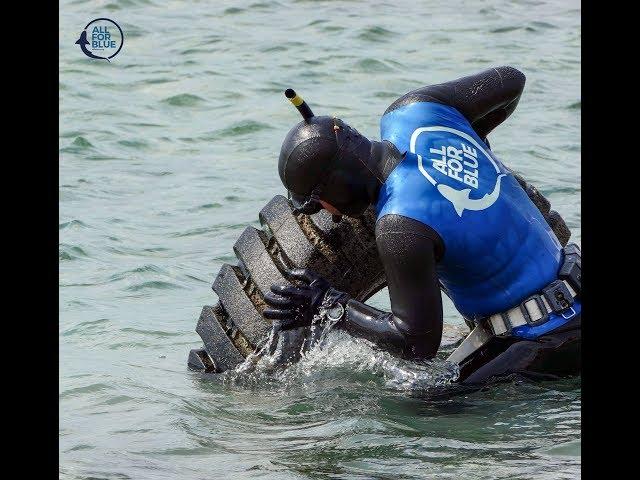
x=344, y=253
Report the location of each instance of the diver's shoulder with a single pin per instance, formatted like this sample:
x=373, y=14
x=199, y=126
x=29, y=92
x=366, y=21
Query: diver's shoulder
x=423, y=94
x=441, y=93
x=459, y=91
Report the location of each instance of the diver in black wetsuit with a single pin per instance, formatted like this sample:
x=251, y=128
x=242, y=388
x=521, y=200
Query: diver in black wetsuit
x=450, y=215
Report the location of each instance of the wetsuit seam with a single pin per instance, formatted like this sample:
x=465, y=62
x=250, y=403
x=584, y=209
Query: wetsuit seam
x=391, y=160
x=432, y=234
x=371, y=171
x=499, y=76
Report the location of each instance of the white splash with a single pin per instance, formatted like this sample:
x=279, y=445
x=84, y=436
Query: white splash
x=302, y=356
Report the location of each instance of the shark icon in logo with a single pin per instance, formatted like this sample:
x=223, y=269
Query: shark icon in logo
x=460, y=199
x=83, y=42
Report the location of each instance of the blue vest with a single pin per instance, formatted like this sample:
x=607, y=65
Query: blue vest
x=499, y=249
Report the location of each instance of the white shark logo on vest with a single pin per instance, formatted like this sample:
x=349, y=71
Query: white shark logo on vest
x=460, y=199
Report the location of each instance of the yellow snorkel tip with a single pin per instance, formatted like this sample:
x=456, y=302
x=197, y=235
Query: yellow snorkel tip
x=299, y=103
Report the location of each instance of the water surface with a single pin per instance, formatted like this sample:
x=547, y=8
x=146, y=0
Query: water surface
x=170, y=150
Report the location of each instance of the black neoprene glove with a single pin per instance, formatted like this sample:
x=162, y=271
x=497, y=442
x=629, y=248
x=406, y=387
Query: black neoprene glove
x=295, y=305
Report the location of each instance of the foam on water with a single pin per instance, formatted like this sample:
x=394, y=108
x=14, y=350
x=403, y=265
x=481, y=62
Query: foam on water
x=337, y=354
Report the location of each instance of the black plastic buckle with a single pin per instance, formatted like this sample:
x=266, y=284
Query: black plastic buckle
x=541, y=306
x=571, y=269
x=558, y=296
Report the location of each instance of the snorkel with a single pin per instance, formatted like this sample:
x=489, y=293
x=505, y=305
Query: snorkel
x=311, y=204
x=299, y=103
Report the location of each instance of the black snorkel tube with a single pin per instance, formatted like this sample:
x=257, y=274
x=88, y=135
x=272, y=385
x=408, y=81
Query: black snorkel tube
x=307, y=205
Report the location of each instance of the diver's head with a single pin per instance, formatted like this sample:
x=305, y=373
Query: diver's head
x=324, y=164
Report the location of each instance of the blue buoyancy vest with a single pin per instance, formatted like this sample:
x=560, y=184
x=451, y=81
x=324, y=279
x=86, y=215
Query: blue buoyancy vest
x=498, y=248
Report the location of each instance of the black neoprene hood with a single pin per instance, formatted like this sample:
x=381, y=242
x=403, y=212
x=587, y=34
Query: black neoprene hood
x=326, y=159
x=307, y=153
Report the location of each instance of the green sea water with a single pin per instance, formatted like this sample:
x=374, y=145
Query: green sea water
x=169, y=151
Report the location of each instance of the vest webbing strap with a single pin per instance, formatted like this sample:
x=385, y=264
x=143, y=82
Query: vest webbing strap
x=537, y=308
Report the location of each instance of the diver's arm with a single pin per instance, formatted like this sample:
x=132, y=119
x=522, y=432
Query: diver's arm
x=486, y=99
x=413, y=328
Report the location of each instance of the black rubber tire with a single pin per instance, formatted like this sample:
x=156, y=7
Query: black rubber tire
x=344, y=253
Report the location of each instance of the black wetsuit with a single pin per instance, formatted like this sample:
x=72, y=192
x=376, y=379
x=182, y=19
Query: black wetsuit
x=409, y=251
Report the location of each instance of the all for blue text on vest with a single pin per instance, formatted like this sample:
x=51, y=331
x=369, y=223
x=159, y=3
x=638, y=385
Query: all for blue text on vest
x=459, y=164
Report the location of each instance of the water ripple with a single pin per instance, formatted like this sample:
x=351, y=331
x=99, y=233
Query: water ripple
x=71, y=225
x=376, y=34
x=68, y=252
x=153, y=285
x=245, y=127
x=184, y=100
